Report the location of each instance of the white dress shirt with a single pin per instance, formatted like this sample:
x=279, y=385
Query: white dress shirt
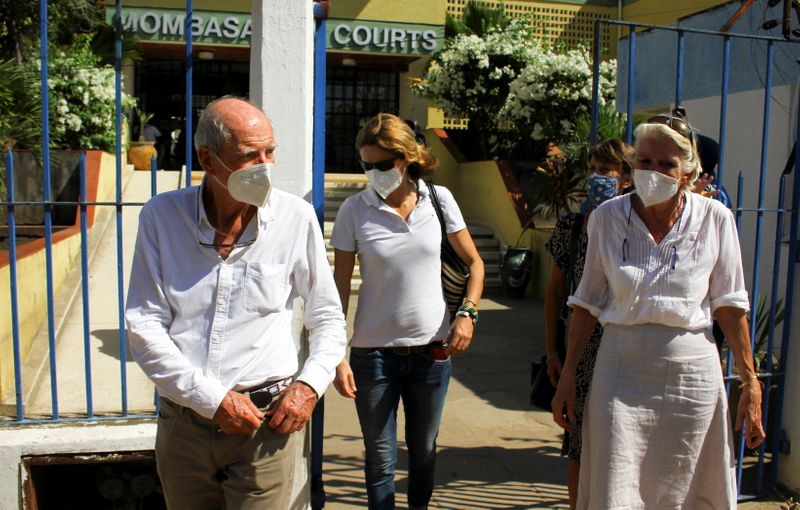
x=400, y=301
x=200, y=326
x=679, y=282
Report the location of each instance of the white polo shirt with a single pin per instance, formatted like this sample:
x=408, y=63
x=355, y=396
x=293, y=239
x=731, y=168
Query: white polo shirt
x=400, y=302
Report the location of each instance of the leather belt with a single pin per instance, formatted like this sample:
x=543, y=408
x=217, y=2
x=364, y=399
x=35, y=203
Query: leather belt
x=263, y=394
x=403, y=350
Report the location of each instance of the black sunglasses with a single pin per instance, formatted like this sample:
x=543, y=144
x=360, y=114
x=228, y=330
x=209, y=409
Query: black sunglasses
x=678, y=124
x=386, y=164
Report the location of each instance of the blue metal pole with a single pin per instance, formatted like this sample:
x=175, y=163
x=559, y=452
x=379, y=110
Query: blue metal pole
x=12, y=273
x=789, y=303
x=318, y=201
x=762, y=189
x=188, y=127
x=631, y=76
x=723, y=109
x=153, y=170
x=679, y=68
x=595, y=82
x=739, y=203
x=87, y=346
x=123, y=344
x=48, y=211
x=773, y=303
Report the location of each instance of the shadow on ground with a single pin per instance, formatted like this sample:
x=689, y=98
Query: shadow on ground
x=467, y=478
x=509, y=334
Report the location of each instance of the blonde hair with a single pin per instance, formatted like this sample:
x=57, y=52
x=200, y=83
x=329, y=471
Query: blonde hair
x=687, y=149
x=391, y=133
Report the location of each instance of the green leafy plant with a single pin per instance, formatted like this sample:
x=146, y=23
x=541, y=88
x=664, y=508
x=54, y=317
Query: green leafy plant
x=144, y=117
x=477, y=18
x=762, y=328
x=20, y=107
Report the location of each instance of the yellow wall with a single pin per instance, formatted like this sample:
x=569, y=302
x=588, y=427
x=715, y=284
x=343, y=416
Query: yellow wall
x=32, y=287
x=404, y=11
x=198, y=5
x=659, y=12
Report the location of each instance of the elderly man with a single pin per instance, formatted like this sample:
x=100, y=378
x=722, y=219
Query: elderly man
x=215, y=273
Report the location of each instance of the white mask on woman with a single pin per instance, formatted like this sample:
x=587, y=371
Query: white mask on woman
x=385, y=182
x=250, y=185
x=654, y=187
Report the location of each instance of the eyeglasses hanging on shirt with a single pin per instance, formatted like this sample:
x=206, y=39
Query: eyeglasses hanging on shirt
x=673, y=248
x=238, y=244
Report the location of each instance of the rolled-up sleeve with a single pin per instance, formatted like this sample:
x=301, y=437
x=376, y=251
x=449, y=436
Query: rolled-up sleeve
x=726, y=285
x=148, y=317
x=592, y=292
x=323, y=311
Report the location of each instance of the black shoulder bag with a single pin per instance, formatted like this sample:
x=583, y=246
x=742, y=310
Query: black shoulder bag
x=542, y=391
x=455, y=273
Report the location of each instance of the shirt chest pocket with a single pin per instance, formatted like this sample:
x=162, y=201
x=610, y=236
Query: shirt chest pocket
x=265, y=287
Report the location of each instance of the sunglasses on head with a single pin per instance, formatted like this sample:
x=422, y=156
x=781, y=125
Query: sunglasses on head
x=678, y=124
x=386, y=164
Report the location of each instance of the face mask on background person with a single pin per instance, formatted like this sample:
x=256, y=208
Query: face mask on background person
x=654, y=187
x=600, y=188
x=386, y=181
x=250, y=185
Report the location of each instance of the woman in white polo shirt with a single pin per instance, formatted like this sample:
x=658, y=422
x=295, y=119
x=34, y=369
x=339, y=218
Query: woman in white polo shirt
x=402, y=336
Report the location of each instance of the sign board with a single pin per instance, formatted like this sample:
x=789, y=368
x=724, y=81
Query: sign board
x=234, y=28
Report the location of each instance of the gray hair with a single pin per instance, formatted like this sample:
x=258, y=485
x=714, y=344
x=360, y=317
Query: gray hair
x=212, y=132
x=688, y=152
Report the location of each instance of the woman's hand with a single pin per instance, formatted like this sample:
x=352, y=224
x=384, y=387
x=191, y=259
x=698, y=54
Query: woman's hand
x=749, y=412
x=563, y=402
x=702, y=183
x=460, y=335
x=344, y=382
x=554, y=368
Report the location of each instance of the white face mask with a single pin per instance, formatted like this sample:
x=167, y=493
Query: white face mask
x=250, y=185
x=654, y=187
x=384, y=182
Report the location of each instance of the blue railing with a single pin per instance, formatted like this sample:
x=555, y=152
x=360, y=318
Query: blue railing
x=782, y=264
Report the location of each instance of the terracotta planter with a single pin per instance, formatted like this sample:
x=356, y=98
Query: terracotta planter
x=140, y=153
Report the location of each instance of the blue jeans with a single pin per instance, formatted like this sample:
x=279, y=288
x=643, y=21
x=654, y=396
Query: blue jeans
x=382, y=379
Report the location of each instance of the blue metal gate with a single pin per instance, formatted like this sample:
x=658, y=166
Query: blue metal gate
x=763, y=462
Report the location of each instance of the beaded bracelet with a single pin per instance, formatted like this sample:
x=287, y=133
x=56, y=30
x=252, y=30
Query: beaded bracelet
x=467, y=311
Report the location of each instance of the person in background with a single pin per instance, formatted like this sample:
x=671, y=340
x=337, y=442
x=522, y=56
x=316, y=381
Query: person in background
x=660, y=263
x=403, y=335
x=216, y=270
x=609, y=173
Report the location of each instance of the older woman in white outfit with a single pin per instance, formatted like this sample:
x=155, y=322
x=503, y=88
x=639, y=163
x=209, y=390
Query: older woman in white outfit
x=661, y=264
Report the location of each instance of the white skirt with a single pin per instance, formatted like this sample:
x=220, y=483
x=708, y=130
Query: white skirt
x=656, y=430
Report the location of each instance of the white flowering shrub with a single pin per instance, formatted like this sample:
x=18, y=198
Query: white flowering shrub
x=81, y=97
x=544, y=99
x=519, y=94
x=471, y=76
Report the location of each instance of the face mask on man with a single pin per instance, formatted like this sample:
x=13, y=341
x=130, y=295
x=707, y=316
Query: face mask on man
x=386, y=181
x=654, y=187
x=600, y=188
x=250, y=185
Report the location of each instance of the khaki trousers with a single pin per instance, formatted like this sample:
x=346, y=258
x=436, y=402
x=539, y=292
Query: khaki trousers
x=201, y=468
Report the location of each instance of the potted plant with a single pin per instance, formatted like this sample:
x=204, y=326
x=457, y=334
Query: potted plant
x=141, y=151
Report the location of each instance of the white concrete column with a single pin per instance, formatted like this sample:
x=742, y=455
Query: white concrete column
x=789, y=466
x=282, y=83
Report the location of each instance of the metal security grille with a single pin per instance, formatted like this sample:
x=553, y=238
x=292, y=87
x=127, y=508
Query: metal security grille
x=352, y=96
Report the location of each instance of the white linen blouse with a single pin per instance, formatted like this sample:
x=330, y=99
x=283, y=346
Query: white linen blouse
x=680, y=282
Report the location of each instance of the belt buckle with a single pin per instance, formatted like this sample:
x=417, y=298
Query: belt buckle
x=402, y=350
x=263, y=397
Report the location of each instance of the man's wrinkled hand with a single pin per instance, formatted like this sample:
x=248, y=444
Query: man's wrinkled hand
x=293, y=409
x=237, y=414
